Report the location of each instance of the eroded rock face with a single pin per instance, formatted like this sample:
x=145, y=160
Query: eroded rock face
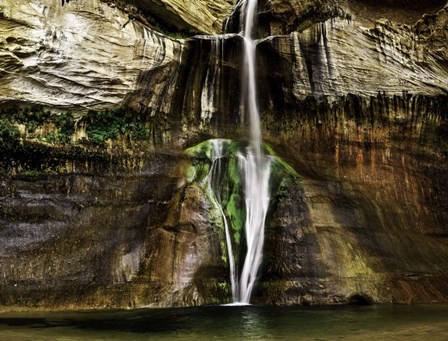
x=90, y=56
x=329, y=59
x=336, y=57
x=79, y=56
x=373, y=222
x=69, y=236
x=402, y=11
x=286, y=16
x=201, y=16
x=131, y=234
x=359, y=112
x=187, y=261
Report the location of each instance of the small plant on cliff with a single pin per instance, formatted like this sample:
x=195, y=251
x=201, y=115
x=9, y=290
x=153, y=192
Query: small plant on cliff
x=103, y=125
x=66, y=126
x=9, y=134
x=51, y=137
x=41, y=123
x=32, y=117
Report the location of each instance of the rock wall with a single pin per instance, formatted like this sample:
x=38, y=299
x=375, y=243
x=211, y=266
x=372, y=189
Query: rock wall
x=86, y=55
x=357, y=108
x=93, y=56
x=374, y=222
x=200, y=16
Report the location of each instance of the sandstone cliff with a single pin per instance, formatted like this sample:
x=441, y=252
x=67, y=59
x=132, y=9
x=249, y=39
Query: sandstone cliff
x=97, y=206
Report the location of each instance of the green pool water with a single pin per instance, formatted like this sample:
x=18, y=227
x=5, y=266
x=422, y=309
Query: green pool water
x=232, y=323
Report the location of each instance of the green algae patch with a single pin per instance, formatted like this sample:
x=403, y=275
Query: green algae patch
x=201, y=150
x=279, y=163
x=221, y=184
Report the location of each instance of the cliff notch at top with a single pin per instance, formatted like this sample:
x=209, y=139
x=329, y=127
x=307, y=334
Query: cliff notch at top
x=192, y=15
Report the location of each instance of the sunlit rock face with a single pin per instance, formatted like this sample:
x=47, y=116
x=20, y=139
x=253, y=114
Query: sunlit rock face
x=201, y=16
x=285, y=16
x=91, y=56
x=83, y=55
x=357, y=107
x=336, y=58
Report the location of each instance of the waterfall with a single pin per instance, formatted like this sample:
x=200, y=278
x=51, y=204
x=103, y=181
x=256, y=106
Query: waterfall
x=254, y=169
x=254, y=165
x=256, y=172
x=249, y=100
x=214, y=180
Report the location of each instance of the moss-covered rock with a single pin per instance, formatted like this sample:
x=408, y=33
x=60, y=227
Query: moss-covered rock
x=216, y=168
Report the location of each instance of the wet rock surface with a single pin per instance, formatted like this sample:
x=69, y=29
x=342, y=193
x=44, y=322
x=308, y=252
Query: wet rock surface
x=117, y=239
x=373, y=221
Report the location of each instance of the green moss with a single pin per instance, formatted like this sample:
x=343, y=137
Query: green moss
x=234, y=203
x=201, y=151
x=50, y=137
x=191, y=174
x=216, y=291
x=236, y=212
x=104, y=125
x=32, y=173
x=59, y=128
x=37, y=117
x=31, y=117
x=139, y=132
x=198, y=171
x=9, y=134
x=22, y=152
x=231, y=186
x=110, y=124
x=280, y=162
x=66, y=126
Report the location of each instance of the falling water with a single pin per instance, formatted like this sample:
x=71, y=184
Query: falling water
x=254, y=165
x=214, y=181
x=249, y=82
x=254, y=169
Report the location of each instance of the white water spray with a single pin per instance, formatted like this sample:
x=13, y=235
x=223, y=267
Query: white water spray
x=254, y=165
